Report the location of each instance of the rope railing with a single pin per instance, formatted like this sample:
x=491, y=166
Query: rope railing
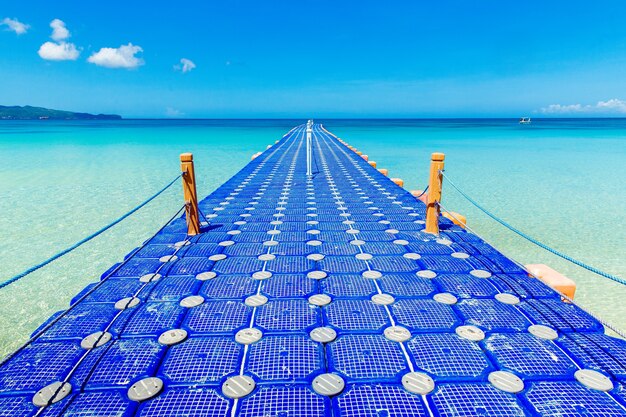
x=523, y=267
x=583, y=346
x=86, y=239
x=422, y=193
x=111, y=322
x=533, y=240
x=84, y=296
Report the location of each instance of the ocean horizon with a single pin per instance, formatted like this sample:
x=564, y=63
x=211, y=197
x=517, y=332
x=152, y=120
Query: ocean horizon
x=312, y=116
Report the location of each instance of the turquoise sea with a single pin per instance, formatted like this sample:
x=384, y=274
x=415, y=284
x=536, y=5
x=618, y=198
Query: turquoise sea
x=561, y=181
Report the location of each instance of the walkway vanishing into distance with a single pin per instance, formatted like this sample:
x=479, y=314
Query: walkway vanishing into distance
x=316, y=296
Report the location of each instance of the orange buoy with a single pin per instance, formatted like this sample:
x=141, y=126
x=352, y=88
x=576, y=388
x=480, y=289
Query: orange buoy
x=359, y=153
x=372, y=163
x=398, y=181
x=458, y=219
x=384, y=171
x=365, y=157
x=553, y=279
x=420, y=195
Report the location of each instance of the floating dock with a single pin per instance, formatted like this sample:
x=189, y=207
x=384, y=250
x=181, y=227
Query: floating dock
x=319, y=295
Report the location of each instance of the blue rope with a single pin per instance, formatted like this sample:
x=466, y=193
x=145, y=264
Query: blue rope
x=423, y=192
x=535, y=241
x=85, y=240
x=93, y=289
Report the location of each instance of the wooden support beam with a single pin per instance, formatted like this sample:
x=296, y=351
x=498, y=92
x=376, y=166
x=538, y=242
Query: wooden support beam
x=434, y=193
x=190, y=194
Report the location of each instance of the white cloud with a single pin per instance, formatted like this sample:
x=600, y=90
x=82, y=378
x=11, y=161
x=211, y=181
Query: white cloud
x=59, y=31
x=14, y=25
x=186, y=65
x=172, y=112
x=122, y=57
x=613, y=105
x=562, y=108
x=59, y=50
x=62, y=51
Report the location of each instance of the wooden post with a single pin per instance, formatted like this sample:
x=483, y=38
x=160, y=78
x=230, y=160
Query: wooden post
x=190, y=193
x=434, y=193
x=398, y=181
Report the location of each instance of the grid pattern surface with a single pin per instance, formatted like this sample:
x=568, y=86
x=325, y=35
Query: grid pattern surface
x=569, y=399
x=367, y=357
x=537, y=358
x=464, y=400
x=448, y=356
x=284, y=358
x=124, y=361
x=284, y=254
x=112, y=403
x=379, y=400
x=284, y=401
x=190, y=401
x=201, y=360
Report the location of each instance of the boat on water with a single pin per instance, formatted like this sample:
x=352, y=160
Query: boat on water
x=525, y=121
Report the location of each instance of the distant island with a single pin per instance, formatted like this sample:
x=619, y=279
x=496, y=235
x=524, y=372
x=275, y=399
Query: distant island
x=41, y=113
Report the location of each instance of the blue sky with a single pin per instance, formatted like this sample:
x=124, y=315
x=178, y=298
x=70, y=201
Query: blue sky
x=316, y=58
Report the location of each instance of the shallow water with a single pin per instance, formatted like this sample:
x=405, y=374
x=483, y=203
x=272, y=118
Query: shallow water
x=562, y=181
